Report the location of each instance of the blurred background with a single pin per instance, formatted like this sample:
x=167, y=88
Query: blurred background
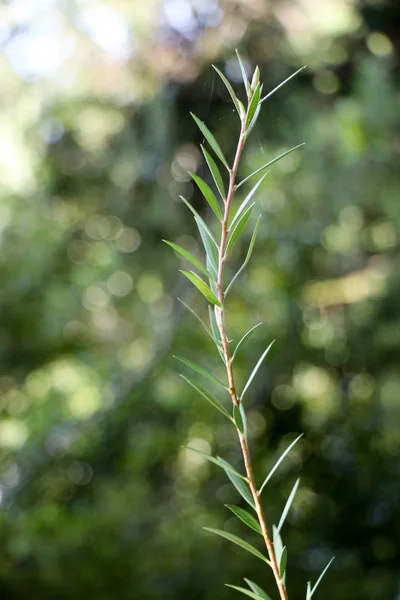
x=98, y=499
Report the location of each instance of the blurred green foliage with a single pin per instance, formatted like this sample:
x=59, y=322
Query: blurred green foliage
x=97, y=497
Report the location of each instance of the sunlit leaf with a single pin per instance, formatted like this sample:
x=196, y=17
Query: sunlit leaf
x=278, y=545
x=253, y=105
x=199, y=220
x=212, y=165
x=202, y=287
x=237, y=540
x=308, y=594
x=278, y=462
x=246, y=335
x=209, y=247
x=248, y=256
x=215, y=461
x=241, y=486
x=229, y=88
x=211, y=140
x=246, y=592
x=271, y=162
x=246, y=517
x=237, y=230
x=247, y=199
x=254, y=372
x=321, y=576
x=211, y=399
x=188, y=256
x=208, y=195
x=244, y=420
x=244, y=74
x=288, y=505
x=257, y=589
x=200, y=370
x=253, y=121
x=283, y=83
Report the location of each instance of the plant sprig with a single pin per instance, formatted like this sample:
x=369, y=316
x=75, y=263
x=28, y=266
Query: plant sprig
x=232, y=226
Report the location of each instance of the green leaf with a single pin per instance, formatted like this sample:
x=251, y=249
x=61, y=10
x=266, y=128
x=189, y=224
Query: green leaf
x=246, y=335
x=240, y=485
x=246, y=517
x=199, y=219
x=237, y=540
x=195, y=262
x=321, y=577
x=210, y=398
x=253, y=121
x=212, y=165
x=283, y=83
x=214, y=326
x=248, y=256
x=257, y=589
x=278, y=462
x=211, y=251
x=244, y=420
x=253, y=105
x=229, y=88
x=215, y=461
x=308, y=594
x=234, y=236
x=254, y=372
x=200, y=370
x=271, y=162
x=194, y=313
x=283, y=563
x=244, y=74
x=237, y=417
x=211, y=140
x=278, y=545
x=245, y=202
x=288, y=505
x=202, y=287
x=208, y=195
x=246, y=592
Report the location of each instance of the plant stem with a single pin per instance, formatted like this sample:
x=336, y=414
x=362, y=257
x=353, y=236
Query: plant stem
x=219, y=314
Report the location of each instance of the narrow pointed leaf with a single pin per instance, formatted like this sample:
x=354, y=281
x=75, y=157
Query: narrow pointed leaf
x=278, y=544
x=283, y=83
x=202, y=287
x=215, y=461
x=229, y=88
x=246, y=592
x=244, y=74
x=248, y=256
x=257, y=589
x=199, y=220
x=244, y=421
x=253, y=105
x=246, y=335
x=200, y=370
x=237, y=230
x=237, y=417
x=210, y=398
x=246, y=517
x=211, y=140
x=211, y=250
x=245, y=202
x=208, y=195
x=321, y=576
x=195, y=262
x=283, y=563
x=237, y=540
x=240, y=485
x=278, y=462
x=271, y=162
x=214, y=326
x=308, y=595
x=254, y=372
x=194, y=313
x=212, y=165
x=288, y=505
x=253, y=120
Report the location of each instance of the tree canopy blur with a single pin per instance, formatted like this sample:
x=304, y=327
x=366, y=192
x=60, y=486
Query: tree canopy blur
x=98, y=498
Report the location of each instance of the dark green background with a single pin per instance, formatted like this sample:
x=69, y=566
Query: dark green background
x=98, y=498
